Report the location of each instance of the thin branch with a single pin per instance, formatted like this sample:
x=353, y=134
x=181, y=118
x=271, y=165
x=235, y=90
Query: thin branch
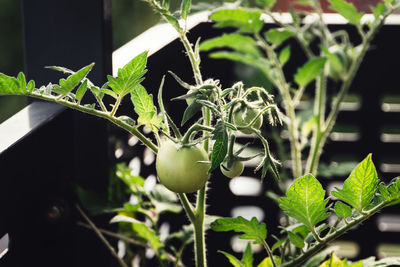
x=102, y=238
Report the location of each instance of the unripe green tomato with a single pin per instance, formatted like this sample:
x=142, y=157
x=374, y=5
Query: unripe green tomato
x=235, y=171
x=243, y=116
x=179, y=170
x=334, y=71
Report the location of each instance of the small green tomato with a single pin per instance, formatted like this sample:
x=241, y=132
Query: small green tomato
x=244, y=115
x=235, y=171
x=179, y=169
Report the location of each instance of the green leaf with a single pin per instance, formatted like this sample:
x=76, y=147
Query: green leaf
x=296, y=240
x=247, y=21
x=164, y=200
x=67, y=85
x=334, y=261
x=81, y=91
x=320, y=256
x=268, y=263
x=277, y=244
x=247, y=259
x=258, y=62
x=266, y=3
x=145, y=107
x=284, y=55
x=347, y=10
x=185, y=8
x=21, y=81
x=235, y=41
x=190, y=111
x=185, y=235
x=278, y=36
x=148, y=234
x=125, y=219
x=31, y=86
x=342, y=210
x=295, y=17
x=9, y=85
x=309, y=71
x=304, y=3
x=359, y=188
x=305, y=201
x=379, y=10
x=130, y=76
x=232, y=259
x=252, y=229
x=220, y=148
x=135, y=183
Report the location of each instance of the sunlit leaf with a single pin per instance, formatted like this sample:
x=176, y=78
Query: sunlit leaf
x=252, y=229
x=359, y=189
x=235, y=41
x=347, y=10
x=130, y=76
x=305, y=201
x=284, y=55
x=309, y=71
x=67, y=85
x=220, y=148
x=232, y=259
x=342, y=210
x=247, y=259
x=247, y=21
x=185, y=8
x=277, y=36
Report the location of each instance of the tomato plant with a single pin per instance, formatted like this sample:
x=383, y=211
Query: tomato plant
x=181, y=169
x=185, y=160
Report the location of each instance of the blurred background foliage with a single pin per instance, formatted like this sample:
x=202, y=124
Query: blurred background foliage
x=130, y=18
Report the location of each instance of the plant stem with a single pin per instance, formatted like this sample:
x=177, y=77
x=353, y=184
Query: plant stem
x=198, y=222
x=102, y=238
x=116, y=105
x=187, y=206
x=319, y=113
x=320, y=139
x=200, y=248
x=283, y=88
x=194, y=61
x=269, y=252
x=132, y=129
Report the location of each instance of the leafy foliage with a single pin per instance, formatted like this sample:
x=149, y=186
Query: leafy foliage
x=247, y=21
x=220, y=148
x=145, y=107
x=359, y=189
x=252, y=229
x=278, y=36
x=342, y=210
x=130, y=76
x=235, y=41
x=309, y=71
x=69, y=84
x=305, y=201
x=347, y=10
x=247, y=259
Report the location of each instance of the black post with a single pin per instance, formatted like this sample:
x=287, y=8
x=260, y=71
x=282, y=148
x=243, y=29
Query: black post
x=41, y=169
